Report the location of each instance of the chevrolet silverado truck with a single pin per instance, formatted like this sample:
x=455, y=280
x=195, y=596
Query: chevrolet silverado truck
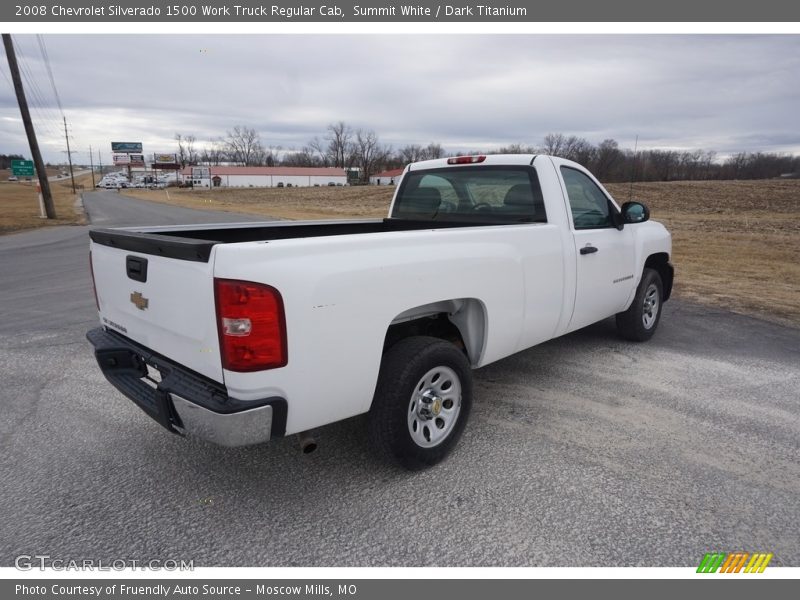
x=239, y=333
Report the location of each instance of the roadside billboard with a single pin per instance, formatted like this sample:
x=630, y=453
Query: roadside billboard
x=121, y=159
x=137, y=160
x=127, y=147
x=166, y=162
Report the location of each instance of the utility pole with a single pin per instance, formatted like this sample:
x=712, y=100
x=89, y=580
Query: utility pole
x=47, y=197
x=100, y=160
x=69, y=155
x=91, y=165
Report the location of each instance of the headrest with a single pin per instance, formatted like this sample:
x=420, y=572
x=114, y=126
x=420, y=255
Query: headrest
x=424, y=199
x=519, y=195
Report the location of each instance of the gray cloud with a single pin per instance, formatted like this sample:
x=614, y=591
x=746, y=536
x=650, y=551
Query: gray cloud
x=727, y=93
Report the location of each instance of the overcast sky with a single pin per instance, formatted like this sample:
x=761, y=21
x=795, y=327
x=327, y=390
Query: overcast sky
x=467, y=92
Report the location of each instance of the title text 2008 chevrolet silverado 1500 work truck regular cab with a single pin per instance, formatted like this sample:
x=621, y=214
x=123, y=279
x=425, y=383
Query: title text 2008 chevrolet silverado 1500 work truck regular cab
x=239, y=333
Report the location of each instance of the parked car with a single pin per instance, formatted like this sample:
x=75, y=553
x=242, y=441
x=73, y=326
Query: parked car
x=217, y=334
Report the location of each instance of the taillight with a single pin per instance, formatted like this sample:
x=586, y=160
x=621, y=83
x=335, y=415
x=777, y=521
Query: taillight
x=94, y=286
x=251, y=324
x=465, y=160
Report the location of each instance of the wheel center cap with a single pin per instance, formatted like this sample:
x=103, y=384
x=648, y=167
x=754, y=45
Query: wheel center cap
x=430, y=405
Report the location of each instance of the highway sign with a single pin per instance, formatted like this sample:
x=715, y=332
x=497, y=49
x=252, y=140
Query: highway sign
x=22, y=168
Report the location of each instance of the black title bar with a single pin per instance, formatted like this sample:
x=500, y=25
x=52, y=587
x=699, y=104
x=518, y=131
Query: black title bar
x=337, y=11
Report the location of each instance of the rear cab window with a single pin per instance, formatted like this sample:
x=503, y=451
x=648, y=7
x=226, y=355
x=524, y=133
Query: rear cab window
x=484, y=194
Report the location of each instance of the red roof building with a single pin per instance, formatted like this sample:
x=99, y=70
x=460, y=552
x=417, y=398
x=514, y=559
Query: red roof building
x=223, y=176
x=389, y=177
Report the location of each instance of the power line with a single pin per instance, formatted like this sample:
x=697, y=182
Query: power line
x=11, y=85
x=37, y=96
x=43, y=49
x=35, y=89
x=46, y=117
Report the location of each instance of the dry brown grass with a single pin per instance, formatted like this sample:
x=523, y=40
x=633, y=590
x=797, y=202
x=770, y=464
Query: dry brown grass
x=284, y=203
x=733, y=241
x=20, y=204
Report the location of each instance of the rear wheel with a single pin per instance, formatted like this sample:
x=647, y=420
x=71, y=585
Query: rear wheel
x=422, y=401
x=640, y=321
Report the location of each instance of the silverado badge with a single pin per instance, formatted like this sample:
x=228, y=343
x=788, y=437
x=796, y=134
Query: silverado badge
x=139, y=301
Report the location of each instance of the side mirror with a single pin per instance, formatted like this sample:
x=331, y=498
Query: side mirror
x=635, y=212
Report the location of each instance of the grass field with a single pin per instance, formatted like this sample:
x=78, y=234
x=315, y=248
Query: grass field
x=284, y=203
x=20, y=204
x=734, y=242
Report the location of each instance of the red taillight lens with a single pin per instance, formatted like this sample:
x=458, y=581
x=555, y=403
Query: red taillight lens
x=252, y=325
x=465, y=160
x=94, y=285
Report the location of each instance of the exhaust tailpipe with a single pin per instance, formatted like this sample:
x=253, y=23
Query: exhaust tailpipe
x=307, y=442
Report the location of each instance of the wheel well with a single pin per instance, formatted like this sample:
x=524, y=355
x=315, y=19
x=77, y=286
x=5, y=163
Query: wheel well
x=461, y=322
x=660, y=263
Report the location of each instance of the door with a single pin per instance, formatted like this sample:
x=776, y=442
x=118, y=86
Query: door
x=605, y=259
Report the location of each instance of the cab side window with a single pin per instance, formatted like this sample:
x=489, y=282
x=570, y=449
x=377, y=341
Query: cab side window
x=590, y=207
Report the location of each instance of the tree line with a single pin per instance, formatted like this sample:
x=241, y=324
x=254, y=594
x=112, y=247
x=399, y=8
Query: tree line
x=5, y=160
x=344, y=146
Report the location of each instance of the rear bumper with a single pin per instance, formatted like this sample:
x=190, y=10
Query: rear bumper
x=184, y=402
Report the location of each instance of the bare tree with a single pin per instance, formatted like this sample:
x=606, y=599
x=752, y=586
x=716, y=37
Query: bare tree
x=317, y=151
x=606, y=159
x=664, y=163
x=411, y=153
x=181, y=149
x=517, y=149
x=370, y=154
x=191, y=151
x=244, y=146
x=554, y=144
x=305, y=157
x=214, y=154
x=340, y=144
x=433, y=150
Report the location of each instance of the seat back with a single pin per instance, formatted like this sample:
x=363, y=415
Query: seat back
x=524, y=200
x=423, y=201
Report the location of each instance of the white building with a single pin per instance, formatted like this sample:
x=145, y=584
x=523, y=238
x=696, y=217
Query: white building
x=266, y=176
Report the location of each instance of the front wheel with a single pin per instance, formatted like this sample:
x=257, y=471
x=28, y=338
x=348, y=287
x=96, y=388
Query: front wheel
x=422, y=401
x=640, y=321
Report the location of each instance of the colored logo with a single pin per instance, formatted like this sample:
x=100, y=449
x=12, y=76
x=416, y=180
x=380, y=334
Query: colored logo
x=734, y=562
x=139, y=301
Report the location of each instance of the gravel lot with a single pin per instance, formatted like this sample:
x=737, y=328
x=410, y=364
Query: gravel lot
x=585, y=451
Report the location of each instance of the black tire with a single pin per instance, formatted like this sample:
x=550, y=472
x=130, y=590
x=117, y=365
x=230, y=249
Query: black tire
x=640, y=321
x=401, y=394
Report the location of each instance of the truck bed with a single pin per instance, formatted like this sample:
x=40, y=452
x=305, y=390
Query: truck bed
x=195, y=243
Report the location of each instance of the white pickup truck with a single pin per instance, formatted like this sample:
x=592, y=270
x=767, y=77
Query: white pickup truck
x=239, y=333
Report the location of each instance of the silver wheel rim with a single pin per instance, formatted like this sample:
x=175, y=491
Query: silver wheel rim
x=650, y=306
x=434, y=407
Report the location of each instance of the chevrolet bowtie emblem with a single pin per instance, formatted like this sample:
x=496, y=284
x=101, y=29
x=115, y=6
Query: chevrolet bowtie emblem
x=139, y=301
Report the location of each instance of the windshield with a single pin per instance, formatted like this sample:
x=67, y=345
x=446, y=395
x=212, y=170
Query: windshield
x=477, y=194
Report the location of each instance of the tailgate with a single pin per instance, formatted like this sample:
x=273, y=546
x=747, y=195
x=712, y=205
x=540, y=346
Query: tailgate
x=165, y=304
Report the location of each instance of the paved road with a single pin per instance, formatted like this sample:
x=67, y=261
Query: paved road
x=583, y=451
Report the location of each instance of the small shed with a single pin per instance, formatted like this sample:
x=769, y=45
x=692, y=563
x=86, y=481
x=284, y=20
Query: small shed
x=390, y=177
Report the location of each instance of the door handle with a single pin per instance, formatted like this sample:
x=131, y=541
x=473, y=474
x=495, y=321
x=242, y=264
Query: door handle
x=588, y=249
